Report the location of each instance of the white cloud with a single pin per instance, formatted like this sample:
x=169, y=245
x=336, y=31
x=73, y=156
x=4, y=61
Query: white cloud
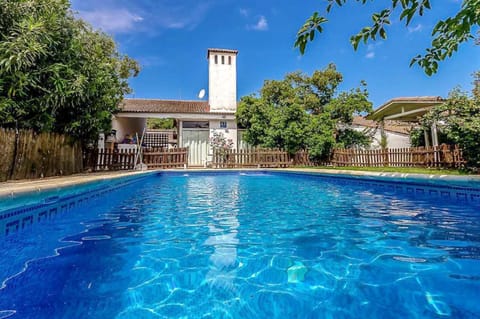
x=261, y=25
x=243, y=12
x=126, y=16
x=151, y=61
x=117, y=21
x=371, y=49
x=417, y=28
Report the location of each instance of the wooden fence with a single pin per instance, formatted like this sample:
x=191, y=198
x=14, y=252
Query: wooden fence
x=29, y=155
x=108, y=159
x=438, y=156
x=114, y=160
x=166, y=158
x=302, y=158
x=250, y=158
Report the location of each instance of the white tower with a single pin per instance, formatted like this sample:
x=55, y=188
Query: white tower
x=222, y=80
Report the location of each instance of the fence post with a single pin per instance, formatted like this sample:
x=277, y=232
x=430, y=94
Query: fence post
x=385, y=157
x=15, y=150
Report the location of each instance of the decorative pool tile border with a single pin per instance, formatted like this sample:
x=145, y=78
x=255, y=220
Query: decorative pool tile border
x=14, y=219
x=449, y=189
x=445, y=189
x=451, y=193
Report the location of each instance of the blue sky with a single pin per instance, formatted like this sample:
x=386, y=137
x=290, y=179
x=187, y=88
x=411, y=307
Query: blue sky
x=170, y=39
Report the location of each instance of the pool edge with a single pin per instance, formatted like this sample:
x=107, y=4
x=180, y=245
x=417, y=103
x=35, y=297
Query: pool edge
x=12, y=188
x=448, y=180
x=24, y=187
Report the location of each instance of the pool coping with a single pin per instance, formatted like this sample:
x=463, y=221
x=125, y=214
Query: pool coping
x=445, y=179
x=449, y=180
x=11, y=188
x=21, y=187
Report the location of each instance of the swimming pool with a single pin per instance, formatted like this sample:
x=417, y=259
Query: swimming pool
x=246, y=245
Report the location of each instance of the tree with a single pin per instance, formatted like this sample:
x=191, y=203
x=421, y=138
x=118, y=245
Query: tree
x=447, y=34
x=56, y=72
x=304, y=112
x=459, y=121
x=320, y=136
x=165, y=124
x=254, y=114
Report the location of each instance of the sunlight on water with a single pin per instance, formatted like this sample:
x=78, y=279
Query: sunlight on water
x=247, y=245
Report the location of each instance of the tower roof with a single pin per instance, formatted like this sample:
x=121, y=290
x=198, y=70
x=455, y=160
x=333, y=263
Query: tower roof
x=235, y=52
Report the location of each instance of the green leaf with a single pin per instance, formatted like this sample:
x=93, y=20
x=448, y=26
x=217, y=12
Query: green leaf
x=383, y=34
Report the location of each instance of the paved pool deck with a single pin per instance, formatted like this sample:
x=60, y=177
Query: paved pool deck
x=26, y=186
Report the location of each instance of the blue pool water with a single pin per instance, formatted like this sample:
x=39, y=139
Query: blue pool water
x=247, y=245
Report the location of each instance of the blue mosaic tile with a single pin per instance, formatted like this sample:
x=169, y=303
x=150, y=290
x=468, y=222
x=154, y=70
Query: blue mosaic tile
x=414, y=188
x=18, y=218
x=27, y=221
x=462, y=196
x=475, y=197
x=433, y=192
x=53, y=212
x=445, y=194
x=12, y=227
x=42, y=216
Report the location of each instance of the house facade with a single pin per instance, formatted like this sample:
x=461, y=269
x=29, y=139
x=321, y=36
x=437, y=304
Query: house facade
x=408, y=111
x=196, y=121
x=396, y=118
x=396, y=133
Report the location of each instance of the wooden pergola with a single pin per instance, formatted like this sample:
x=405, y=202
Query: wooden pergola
x=408, y=109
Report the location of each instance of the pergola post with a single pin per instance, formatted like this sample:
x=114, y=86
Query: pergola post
x=434, y=134
x=436, y=156
x=180, y=133
x=382, y=133
x=408, y=109
x=427, y=138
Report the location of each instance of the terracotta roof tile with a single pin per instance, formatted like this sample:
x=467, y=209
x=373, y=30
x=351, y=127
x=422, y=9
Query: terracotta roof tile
x=163, y=106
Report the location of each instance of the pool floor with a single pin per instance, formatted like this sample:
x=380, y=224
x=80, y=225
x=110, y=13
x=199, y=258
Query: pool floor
x=247, y=245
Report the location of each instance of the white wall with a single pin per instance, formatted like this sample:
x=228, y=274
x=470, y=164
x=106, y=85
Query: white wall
x=394, y=140
x=128, y=125
x=242, y=144
x=222, y=82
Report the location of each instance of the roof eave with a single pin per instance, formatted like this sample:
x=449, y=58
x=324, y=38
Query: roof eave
x=422, y=102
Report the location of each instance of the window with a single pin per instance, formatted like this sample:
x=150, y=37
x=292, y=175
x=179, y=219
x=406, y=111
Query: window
x=216, y=59
x=223, y=124
x=195, y=124
x=223, y=59
x=229, y=60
